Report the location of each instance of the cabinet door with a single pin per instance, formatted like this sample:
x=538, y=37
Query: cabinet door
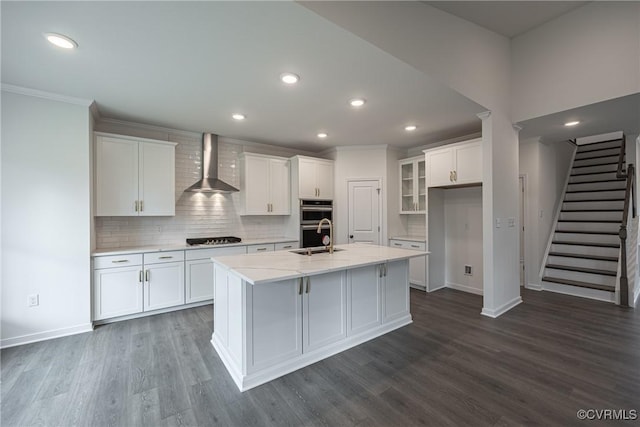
x=307, y=179
x=164, y=285
x=199, y=280
x=421, y=186
x=407, y=187
x=324, y=310
x=116, y=177
x=280, y=187
x=418, y=271
x=157, y=184
x=469, y=163
x=275, y=312
x=363, y=299
x=255, y=185
x=439, y=167
x=395, y=291
x=324, y=180
x=117, y=292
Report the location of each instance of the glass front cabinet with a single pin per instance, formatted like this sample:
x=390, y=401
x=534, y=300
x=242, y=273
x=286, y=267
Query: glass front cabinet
x=413, y=189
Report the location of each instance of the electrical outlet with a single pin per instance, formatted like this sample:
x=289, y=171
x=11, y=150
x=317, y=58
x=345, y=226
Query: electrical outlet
x=33, y=300
x=468, y=270
x=511, y=222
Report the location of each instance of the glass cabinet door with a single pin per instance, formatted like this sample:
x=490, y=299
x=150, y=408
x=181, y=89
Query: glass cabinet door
x=406, y=174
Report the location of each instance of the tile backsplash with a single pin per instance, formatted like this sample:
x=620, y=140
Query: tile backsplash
x=197, y=214
x=416, y=225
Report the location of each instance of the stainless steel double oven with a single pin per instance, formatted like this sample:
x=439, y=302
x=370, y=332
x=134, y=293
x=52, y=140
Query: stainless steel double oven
x=311, y=213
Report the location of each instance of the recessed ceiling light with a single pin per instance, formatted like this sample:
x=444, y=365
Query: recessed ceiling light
x=239, y=116
x=61, y=40
x=410, y=128
x=322, y=135
x=358, y=102
x=289, y=78
x=576, y=122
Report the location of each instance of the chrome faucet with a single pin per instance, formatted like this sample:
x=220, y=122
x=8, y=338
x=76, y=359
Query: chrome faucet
x=322, y=221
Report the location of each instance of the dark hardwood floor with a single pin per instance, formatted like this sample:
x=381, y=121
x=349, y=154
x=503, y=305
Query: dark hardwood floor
x=537, y=365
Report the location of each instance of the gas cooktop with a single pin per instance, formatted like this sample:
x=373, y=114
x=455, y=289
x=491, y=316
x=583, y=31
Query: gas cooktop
x=213, y=240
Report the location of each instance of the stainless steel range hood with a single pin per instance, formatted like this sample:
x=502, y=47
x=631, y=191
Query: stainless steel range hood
x=210, y=182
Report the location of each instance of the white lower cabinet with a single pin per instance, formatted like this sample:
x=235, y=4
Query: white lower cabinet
x=417, y=265
x=199, y=271
x=395, y=291
x=163, y=285
x=323, y=310
x=364, y=293
x=117, y=291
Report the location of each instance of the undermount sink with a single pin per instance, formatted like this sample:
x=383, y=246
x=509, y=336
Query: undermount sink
x=312, y=251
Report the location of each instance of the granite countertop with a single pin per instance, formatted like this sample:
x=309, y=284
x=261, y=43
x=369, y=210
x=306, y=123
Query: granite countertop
x=410, y=238
x=274, y=266
x=182, y=247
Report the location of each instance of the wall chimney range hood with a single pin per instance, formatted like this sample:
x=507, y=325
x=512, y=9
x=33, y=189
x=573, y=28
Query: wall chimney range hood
x=210, y=182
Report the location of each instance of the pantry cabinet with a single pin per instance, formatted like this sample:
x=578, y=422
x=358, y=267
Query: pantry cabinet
x=313, y=178
x=455, y=164
x=265, y=185
x=134, y=176
x=413, y=190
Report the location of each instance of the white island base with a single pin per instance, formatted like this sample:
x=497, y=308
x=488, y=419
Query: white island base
x=264, y=330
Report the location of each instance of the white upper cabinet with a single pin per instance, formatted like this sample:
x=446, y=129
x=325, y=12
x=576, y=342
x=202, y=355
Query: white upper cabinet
x=413, y=190
x=265, y=185
x=456, y=164
x=134, y=176
x=314, y=178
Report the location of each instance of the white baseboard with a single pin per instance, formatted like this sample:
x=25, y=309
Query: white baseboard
x=534, y=286
x=151, y=313
x=502, y=309
x=45, y=335
x=464, y=288
x=437, y=288
x=635, y=298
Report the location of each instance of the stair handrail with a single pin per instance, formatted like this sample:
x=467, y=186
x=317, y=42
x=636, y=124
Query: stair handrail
x=629, y=197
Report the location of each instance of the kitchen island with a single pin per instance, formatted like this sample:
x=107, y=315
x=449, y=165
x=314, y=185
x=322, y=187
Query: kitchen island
x=277, y=312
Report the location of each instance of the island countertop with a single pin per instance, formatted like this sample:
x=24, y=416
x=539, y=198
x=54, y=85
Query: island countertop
x=282, y=265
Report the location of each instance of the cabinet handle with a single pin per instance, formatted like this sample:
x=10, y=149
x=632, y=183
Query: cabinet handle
x=415, y=246
x=397, y=244
x=385, y=269
x=140, y=278
x=136, y=206
x=119, y=261
x=455, y=175
x=287, y=247
x=380, y=271
x=261, y=249
x=308, y=284
x=141, y=205
x=300, y=286
x=147, y=275
x=165, y=257
x=451, y=176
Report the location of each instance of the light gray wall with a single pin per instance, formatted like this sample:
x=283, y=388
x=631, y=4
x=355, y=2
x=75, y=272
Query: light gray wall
x=555, y=65
x=45, y=218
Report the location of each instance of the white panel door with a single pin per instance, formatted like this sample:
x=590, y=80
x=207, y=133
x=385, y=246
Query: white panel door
x=395, y=290
x=199, y=280
x=164, y=285
x=364, y=211
x=157, y=184
x=324, y=310
x=256, y=185
x=440, y=165
x=117, y=292
x=324, y=180
x=275, y=320
x=116, y=177
x=280, y=188
x=307, y=179
x=363, y=299
x=468, y=163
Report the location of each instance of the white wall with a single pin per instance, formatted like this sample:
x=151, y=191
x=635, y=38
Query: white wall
x=555, y=65
x=463, y=238
x=545, y=166
x=197, y=214
x=45, y=218
x=358, y=162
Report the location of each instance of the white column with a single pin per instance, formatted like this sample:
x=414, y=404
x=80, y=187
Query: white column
x=500, y=234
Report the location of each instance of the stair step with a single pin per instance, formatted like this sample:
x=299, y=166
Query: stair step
x=594, y=244
x=596, y=154
x=594, y=181
x=595, y=191
x=601, y=233
x=603, y=221
x=594, y=196
x=598, y=145
x=579, y=284
x=599, y=164
x=593, y=200
x=594, y=173
x=580, y=170
x=591, y=216
x=596, y=160
x=583, y=270
x=591, y=210
x=583, y=256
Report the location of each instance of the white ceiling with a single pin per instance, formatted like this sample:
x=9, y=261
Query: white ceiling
x=190, y=65
x=509, y=18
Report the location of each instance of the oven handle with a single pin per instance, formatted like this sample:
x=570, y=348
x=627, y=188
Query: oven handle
x=314, y=227
x=316, y=209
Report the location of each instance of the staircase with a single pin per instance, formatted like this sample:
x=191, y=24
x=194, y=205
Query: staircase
x=585, y=247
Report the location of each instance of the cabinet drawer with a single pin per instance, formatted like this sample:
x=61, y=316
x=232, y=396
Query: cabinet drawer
x=168, y=256
x=253, y=249
x=286, y=245
x=397, y=244
x=406, y=244
x=111, y=261
x=207, y=253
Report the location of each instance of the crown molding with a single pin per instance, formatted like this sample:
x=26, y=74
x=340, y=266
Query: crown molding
x=484, y=115
x=144, y=126
x=46, y=95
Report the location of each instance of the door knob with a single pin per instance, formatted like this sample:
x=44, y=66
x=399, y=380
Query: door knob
x=351, y=236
